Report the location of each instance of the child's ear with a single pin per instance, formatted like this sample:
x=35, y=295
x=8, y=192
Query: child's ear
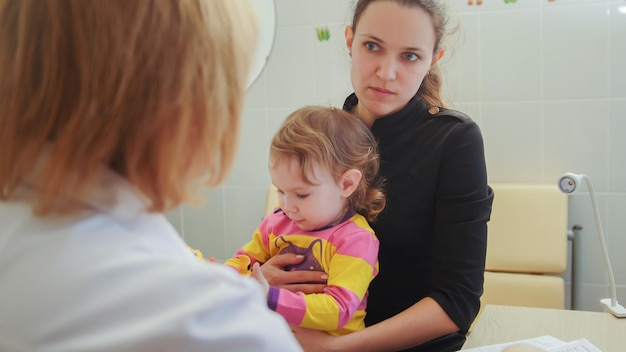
x=350, y=181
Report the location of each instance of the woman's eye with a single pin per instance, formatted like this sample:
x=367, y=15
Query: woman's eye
x=302, y=196
x=410, y=56
x=371, y=46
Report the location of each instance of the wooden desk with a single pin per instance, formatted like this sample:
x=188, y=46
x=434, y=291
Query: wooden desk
x=502, y=324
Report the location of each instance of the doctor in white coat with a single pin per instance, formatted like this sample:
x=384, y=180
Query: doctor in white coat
x=112, y=113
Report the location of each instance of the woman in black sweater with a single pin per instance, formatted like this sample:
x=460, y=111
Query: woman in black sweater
x=433, y=232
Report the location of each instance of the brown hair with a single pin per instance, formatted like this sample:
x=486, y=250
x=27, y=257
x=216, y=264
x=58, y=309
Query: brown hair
x=430, y=90
x=150, y=89
x=338, y=141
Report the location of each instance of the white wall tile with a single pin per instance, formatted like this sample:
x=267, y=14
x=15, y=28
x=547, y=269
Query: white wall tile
x=617, y=50
x=590, y=297
x=244, y=209
x=203, y=226
x=332, y=69
x=621, y=294
x=511, y=55
x=275, y=119
x=294, y=12
x=332, y=11
x=250, y=165
x=615, y=234
x=617, y=146
x=256, y=95
x=576, y=56
x=575, y=139
x=290, y=69
x=512, y=134
x=461, y=62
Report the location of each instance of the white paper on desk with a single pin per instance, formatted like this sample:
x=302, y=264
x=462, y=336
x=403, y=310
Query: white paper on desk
x=547, y=343
x=581, y=345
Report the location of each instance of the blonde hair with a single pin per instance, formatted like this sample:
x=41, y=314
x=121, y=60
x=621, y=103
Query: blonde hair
x=150, y=89
x=337, y=141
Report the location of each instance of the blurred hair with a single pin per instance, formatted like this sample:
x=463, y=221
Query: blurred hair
x=430, y=90
x=337, y=141
x=152, y=89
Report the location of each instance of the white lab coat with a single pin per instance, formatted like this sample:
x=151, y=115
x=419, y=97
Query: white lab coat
x=116, y=278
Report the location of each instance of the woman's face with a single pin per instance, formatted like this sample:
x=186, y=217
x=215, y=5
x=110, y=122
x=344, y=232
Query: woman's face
x=392, y=51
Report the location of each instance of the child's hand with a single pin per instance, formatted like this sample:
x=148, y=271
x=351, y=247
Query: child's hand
x=257, y=274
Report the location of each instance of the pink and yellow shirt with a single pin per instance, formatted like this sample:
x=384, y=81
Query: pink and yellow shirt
x=347, y=253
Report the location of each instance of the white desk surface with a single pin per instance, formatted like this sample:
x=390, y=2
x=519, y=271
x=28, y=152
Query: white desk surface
x=502, y=324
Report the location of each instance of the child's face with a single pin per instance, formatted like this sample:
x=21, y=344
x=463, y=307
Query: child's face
x=309, y=206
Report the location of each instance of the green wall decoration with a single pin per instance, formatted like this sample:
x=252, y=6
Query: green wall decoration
x=323, y=33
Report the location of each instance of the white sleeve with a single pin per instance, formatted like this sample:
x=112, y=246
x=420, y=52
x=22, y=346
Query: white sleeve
x=192, y=307
x=241, y=320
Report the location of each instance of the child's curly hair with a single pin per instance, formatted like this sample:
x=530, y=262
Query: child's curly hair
x=338, y=141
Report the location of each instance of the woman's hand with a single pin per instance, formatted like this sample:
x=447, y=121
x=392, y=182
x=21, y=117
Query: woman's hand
x=295, y=281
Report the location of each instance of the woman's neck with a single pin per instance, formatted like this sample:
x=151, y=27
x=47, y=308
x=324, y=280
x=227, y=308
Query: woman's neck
x=365, y=115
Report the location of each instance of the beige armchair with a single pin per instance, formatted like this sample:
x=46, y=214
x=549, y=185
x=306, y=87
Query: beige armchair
x=271, y=201
x=526, y=246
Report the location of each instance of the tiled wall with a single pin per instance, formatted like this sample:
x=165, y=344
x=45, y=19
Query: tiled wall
x=546, y=81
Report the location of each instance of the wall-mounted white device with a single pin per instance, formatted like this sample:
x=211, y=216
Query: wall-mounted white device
x=570, y=183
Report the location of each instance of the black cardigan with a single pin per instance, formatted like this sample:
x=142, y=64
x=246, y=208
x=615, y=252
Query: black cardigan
x=433, y=232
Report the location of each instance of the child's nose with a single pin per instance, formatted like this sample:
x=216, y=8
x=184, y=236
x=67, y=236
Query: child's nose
x=289, y=205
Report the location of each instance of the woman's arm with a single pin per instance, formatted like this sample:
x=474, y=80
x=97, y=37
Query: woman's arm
x=462, y=211
x=422, y=322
